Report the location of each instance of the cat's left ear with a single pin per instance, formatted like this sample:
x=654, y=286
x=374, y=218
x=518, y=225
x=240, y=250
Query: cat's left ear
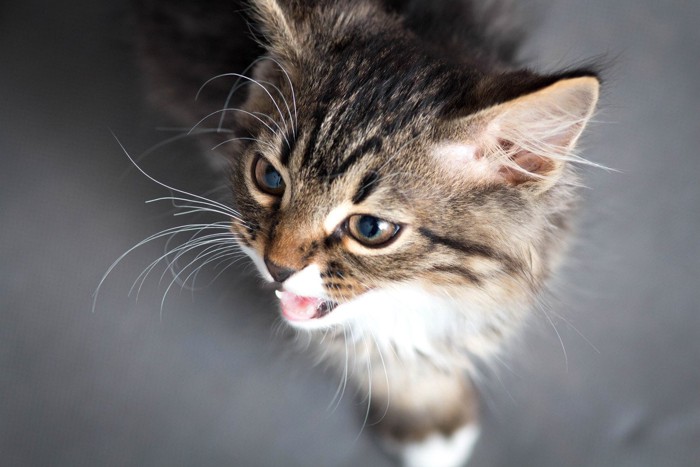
x=282, y=23
x=525, y=141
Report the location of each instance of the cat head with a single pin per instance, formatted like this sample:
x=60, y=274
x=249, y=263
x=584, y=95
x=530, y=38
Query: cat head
x=383, y=184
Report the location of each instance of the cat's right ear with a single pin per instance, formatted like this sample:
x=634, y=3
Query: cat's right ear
x=526, y=141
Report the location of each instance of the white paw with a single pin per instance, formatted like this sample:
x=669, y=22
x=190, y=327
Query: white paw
x=439, y=451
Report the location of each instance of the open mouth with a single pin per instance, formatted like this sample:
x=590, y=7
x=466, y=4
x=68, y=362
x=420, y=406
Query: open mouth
x=298, y=308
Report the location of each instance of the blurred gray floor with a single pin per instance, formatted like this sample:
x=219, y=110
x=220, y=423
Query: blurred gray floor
x=208, y=382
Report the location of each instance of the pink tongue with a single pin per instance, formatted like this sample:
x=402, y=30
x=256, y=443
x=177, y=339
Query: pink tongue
x=296, y=308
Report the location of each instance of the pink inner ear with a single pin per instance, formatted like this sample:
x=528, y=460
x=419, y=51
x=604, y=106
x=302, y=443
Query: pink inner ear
x=531, y=164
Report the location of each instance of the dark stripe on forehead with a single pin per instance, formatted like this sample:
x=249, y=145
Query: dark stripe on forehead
x=368, y=184
x=373, y=144
x=313, y=137
x=474, y=249
x=288, y=145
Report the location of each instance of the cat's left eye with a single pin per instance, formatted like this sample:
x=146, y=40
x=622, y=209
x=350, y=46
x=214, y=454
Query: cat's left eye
x=267, y=178
x=371, y=231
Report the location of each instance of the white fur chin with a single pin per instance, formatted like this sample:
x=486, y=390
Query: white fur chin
x=439, y=451
x=403, y=319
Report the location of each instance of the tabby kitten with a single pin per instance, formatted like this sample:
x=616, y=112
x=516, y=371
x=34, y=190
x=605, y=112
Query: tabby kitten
x=406, y=186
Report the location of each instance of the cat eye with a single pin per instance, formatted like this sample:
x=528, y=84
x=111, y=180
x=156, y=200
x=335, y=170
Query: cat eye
x=371, y=231
x=267, y=178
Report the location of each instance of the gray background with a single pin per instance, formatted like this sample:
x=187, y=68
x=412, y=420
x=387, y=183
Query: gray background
x=209, y=382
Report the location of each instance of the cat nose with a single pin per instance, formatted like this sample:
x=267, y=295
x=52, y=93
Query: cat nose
x=278, y=273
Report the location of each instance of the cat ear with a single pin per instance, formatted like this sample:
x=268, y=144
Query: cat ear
x=279, y=21
x=525, y=141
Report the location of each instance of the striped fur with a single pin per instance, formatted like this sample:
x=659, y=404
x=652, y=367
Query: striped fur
x=413, y=112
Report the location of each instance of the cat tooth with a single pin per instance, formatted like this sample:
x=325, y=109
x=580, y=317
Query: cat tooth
x=278, y=294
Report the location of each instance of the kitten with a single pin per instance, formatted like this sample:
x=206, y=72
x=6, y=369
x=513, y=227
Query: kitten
x=408, y=188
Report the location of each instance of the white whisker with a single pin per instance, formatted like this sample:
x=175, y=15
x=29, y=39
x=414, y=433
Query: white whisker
x=168, y=252
x=204, y=206
x=177, y=276
x=182, y=192
x=284, y=100
x=291, y=88
x=232, y=257
x=206, y=256
x=161, y=234
x=274, y=102
x=235, y=109
x=270, y=146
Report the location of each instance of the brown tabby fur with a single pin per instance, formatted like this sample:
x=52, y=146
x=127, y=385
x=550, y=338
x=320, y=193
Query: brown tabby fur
x=371, y=97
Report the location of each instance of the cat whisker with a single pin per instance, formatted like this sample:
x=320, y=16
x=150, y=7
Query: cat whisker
x=386, y=377
x=541, y=308
x=237, y=85
x=194, y=243
x=218, y=253
x=502, y=383
x=574, y=328
x=177, y=276
x=201, y=206
x=368, y=365
x=235, y=109
x=176, y=190
x=231, y=258
x=200, y=209
x=142, y=277
x=234, y=87
x=223, y=187
x=170, y=140
x=161, y=234
x=340, y=391
x=284, y=100
x=240, y=76
x=291, y=88
x=185, y=129
x=268, y=145
x=274, y=122
x=211, y=249
x=353, y=339
x=504, y=364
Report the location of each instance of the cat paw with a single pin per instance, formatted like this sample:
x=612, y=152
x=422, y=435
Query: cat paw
x=437, y=450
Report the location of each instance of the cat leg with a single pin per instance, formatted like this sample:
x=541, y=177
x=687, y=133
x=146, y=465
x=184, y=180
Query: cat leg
x=438, y=450
x=430, y=422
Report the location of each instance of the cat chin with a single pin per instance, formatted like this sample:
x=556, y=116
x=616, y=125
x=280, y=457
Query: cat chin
x=376, y=311
x=406, y=317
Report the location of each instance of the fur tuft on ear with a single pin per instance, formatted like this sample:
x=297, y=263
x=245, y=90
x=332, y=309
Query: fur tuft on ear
x=278, y=21
x=528, y=140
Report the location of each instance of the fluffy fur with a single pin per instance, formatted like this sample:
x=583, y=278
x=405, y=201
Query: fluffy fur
x=410, y=111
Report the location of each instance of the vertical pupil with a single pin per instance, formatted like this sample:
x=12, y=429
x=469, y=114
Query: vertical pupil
x=272, y=177
x=369, y=226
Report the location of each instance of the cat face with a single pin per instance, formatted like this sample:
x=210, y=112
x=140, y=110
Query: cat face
x=408, y=286
x=391, y=195
x=342, y=225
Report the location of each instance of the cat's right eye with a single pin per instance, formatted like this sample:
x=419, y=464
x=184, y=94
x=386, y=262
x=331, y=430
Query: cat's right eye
x=267, y=178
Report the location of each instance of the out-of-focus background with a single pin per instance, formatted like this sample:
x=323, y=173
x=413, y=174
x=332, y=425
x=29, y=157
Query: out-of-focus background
x=610, y=376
